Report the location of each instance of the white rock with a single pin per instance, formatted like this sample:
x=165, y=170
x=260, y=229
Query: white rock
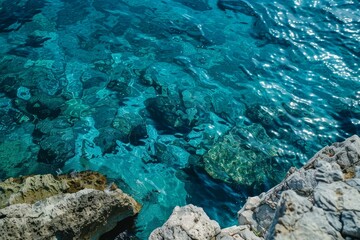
x=186, y=223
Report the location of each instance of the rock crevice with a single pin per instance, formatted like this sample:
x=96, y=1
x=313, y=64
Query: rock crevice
x=317, y=201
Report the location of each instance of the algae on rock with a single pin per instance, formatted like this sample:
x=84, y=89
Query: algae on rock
x=232, y=159
x=72, y=206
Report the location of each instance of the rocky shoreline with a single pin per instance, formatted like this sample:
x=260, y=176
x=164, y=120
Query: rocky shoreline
x=73, y=206
x=318, y=201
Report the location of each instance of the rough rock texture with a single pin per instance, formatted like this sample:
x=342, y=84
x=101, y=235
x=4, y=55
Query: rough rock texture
x=30, y=189
x=237, y=233
x=75, y=206
x=191, y=222
x=318, y=201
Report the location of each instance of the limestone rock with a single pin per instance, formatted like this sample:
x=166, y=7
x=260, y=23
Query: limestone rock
x=188, y=222
x=318, y=201
x=237, y=233
x=81, y=215
x=30, y=189
x=74, y=206
x=351, y=222
x=297, y=218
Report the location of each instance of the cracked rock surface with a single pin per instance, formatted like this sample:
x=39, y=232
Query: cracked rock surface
x=189, y=222
x=77, y=206
x=318, y=201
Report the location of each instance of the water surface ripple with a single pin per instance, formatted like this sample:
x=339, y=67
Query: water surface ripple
x=177, y=101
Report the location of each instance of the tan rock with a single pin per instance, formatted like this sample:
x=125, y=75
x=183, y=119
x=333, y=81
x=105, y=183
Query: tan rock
x=82, y=215
x=75, y=206
x=30, y=189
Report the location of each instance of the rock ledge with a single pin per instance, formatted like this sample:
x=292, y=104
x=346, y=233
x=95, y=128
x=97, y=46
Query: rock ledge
x=61, y=207
x=317, y=201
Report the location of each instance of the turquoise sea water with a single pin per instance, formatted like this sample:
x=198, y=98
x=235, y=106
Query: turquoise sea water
x=177, y=101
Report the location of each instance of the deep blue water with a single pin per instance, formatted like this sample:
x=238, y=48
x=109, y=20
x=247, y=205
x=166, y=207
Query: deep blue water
x=177, y=101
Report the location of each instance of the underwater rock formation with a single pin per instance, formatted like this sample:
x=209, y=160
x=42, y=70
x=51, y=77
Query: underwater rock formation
x=131, y=126
x=56, y=139
x=169, y=113
x=317, y=201
x=74, y=206
x=232, y=159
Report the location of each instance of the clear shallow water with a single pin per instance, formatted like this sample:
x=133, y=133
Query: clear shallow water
x=145, y=92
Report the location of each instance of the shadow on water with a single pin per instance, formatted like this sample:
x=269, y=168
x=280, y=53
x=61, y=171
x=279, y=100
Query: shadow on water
x=124, y=230
x=219, y=200
x=13, y=16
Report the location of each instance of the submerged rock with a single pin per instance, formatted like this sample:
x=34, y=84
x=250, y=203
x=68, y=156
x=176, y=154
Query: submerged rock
x=107, y=139
x=74, y=206
x=196, y=5
x=132, y=128
x=317, y=201
x=169, y=113
x=25, y=151
x=56, y=139
x=244, y=156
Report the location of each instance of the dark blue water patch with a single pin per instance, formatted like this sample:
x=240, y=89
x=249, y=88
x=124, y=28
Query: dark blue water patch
x=236, y=5
x=220, y=201
x=72, y=12
x=200, y=5
x=124, y=230
x=348, y=121
x=14, y=16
